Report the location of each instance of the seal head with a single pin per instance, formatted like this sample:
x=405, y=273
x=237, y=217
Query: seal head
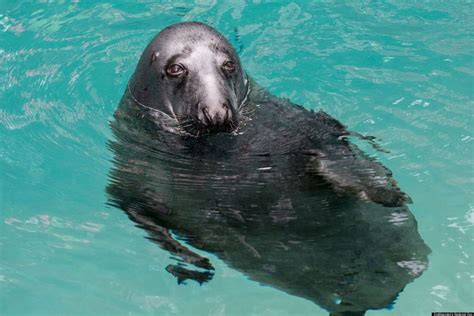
x=191, y=72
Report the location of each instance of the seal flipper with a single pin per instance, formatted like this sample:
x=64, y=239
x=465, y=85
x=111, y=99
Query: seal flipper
x=163, y=238
x=183, y=274
x=348, y=169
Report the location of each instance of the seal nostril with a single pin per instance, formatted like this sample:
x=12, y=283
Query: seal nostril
x=215, y=117
x=226, y=113
x=206, y=115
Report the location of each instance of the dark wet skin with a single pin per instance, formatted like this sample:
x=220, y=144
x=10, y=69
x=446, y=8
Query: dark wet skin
x=285, y=199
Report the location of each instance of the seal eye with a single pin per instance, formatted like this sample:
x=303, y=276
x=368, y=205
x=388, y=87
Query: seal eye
x=229, y=66
x=175, y=70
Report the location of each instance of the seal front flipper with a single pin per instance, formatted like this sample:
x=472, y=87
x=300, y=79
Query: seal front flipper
x=163, y=238
x=351, y=171
x=183, y=274
x=347, y=168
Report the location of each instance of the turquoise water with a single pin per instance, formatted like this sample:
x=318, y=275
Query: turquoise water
x=401, y=72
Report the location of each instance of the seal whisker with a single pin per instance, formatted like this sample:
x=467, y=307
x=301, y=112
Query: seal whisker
x=155, y=112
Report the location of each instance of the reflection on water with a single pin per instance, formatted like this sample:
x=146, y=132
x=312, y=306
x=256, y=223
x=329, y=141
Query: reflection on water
x=280, y=201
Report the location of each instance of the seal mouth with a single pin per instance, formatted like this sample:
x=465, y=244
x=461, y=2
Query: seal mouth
x=191, y=126
x=195, y=128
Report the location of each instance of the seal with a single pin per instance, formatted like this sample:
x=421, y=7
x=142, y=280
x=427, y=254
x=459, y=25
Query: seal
x=189, y=81
x=276, y=191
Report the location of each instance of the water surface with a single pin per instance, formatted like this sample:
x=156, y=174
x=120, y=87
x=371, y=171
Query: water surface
x=400, y=72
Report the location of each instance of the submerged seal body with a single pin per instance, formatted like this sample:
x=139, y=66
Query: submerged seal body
x=274, y=190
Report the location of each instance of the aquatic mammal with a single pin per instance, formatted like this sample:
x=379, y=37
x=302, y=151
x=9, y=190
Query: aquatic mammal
x=204, y=154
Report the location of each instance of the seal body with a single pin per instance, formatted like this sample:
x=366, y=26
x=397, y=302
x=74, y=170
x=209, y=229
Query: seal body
x=274, y=190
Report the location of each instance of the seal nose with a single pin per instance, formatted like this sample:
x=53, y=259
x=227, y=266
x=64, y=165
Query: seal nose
x=217, y=115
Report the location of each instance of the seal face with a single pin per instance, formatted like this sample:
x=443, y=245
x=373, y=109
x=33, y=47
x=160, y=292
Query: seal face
x=191, y=73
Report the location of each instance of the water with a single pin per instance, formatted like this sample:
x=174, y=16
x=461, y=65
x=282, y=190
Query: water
x=400, y=72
